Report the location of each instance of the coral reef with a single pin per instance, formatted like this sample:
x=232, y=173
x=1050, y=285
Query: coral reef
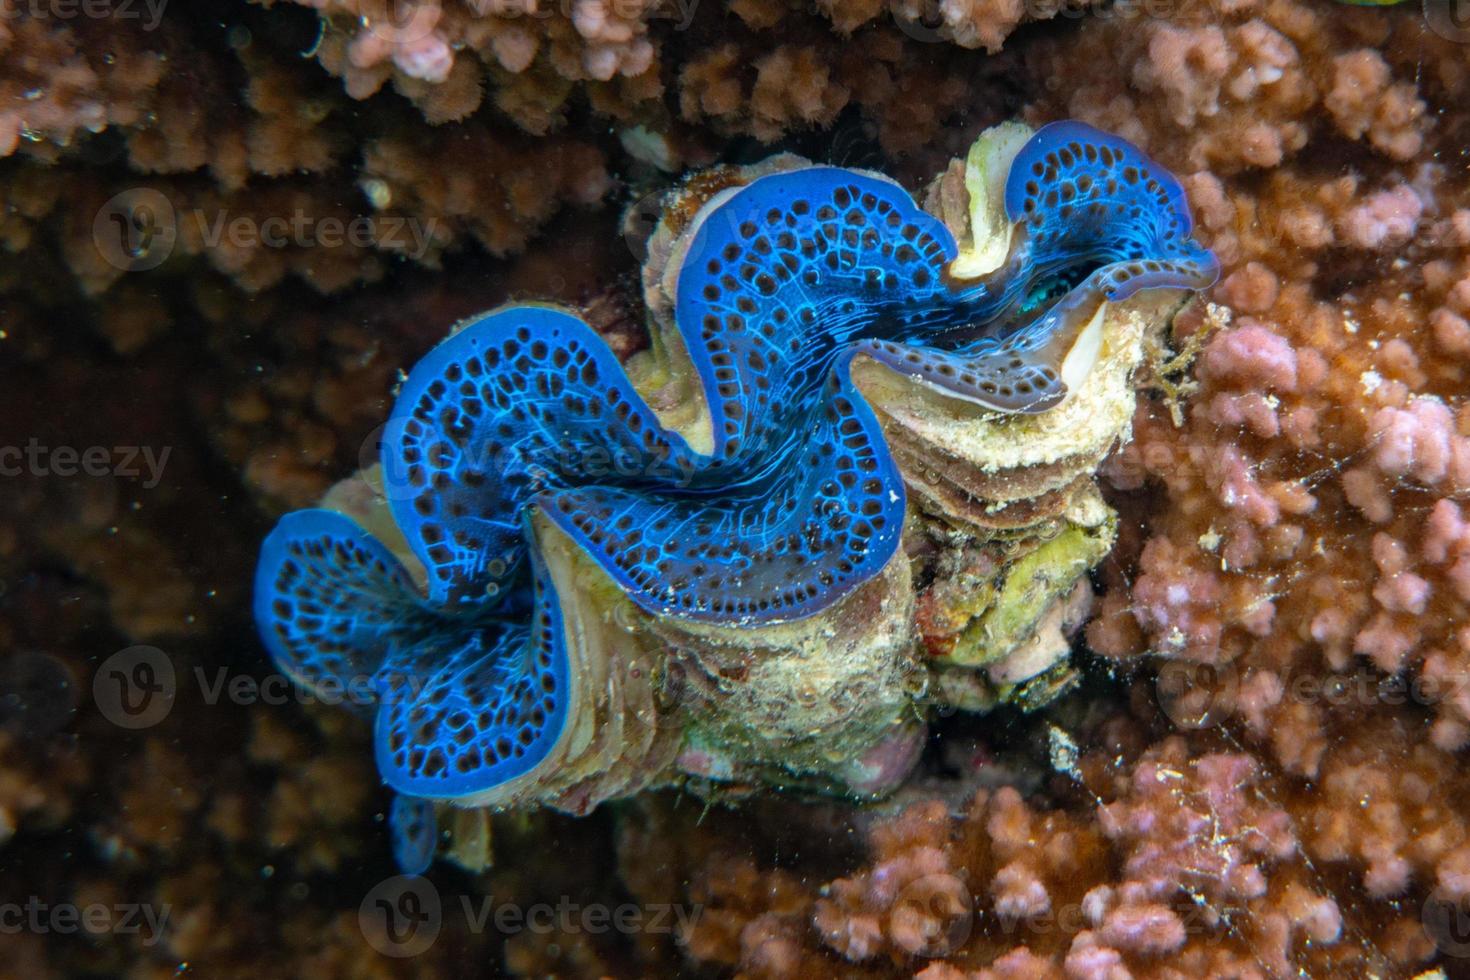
x=281, y=181
x=1186, y=866
x=533, y=59
x=1310, y=528
x=1261, y=771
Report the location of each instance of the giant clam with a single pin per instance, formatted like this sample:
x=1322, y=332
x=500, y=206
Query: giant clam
x=588, y=578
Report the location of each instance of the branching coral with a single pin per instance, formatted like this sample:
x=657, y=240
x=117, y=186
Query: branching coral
x=1187, y=867
x=1312, y=522
x=532, y=58
x=1292, y=546
x=65, y=79
x=274, y=180
x=1243, y=85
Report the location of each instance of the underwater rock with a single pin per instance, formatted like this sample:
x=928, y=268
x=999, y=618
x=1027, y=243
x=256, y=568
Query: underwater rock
x=570, y=580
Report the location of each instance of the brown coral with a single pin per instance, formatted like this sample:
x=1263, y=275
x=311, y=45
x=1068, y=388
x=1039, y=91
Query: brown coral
x=1294, y=553
x=1187, y=867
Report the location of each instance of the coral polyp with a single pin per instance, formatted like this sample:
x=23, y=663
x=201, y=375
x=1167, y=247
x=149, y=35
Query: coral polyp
x=589, y=588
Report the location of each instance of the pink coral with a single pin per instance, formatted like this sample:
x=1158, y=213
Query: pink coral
x=1185, y=868
x=1295, y=537
x=1387, y=219
x=1199, y=830
x=910, y=898
x=1365, y=99
x=1234, y=84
